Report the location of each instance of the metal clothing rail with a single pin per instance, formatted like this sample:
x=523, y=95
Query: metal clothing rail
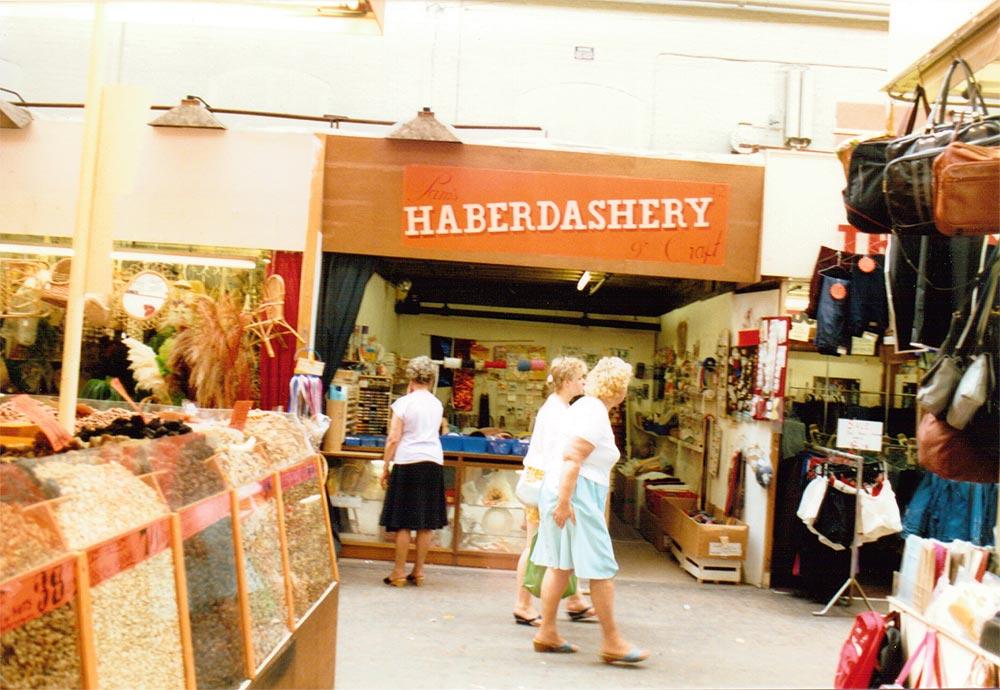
x=852, y=583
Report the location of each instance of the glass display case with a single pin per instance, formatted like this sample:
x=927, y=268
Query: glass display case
x=486, y=522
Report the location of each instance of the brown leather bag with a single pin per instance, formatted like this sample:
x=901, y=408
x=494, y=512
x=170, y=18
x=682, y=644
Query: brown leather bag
x=971, y=455
x=967, y=189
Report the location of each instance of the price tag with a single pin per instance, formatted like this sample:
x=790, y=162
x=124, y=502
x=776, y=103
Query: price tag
x=25, y=598
x=117, y=386
x=44, y=418
x=310, y=367
x=203, y=514
x=859, y=434
x=296, y=475
x=109, y=559
x=718, y=548
x=241, y=409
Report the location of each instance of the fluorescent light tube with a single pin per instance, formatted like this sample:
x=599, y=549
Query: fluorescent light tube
x=35, y=249
x=584, y=279
x=185, y=259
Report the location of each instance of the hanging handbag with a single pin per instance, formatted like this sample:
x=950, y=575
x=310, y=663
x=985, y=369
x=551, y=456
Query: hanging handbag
x=863, y=197
x=962, y=456
x=909, y=175
x=938, y=385
x=930, y=665
x=966, y=184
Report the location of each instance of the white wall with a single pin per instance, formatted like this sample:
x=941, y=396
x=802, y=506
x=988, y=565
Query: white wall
x=378, y=312
x=705, y=321
x=916, y=26
x=662, y=78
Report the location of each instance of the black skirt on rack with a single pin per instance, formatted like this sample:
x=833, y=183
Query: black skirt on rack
x=415, y=498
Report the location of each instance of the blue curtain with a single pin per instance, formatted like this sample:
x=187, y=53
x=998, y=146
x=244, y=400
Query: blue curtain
x=343, y=281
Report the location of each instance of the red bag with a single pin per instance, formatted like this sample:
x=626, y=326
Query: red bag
x=970, y=455
x=860, y=651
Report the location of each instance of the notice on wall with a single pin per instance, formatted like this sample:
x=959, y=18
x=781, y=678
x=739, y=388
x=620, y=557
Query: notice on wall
x=859, y=434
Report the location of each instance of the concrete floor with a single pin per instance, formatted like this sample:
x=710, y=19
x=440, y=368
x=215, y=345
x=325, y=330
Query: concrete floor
x=457, y=632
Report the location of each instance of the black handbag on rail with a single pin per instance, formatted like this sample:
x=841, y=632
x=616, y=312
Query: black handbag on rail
x=864, y=199
x=908, y=182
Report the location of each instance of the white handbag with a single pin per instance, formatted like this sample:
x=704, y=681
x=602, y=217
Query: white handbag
x=529, y=486
x=971, y=392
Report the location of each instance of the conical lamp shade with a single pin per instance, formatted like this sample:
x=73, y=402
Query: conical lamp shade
x=190, y=113
x=424, y=127
x=13, y=117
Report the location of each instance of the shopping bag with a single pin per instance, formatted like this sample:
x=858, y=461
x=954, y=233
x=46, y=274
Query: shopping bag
x=534, y=574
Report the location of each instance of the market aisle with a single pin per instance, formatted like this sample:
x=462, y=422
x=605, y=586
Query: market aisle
x=457, y=632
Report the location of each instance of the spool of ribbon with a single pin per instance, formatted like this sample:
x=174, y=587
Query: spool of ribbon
x=497, y=364
x=538, y=365
x=480, y=365
x=524, y=364
x=452, y=362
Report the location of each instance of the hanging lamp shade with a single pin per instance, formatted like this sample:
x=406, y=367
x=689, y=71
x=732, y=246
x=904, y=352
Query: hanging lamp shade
x=424, y=127
x=192, y=112
x=13, y=116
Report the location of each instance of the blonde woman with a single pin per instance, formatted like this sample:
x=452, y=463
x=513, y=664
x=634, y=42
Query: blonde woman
x=572, y=533
x=414, y=497
x=544, y=455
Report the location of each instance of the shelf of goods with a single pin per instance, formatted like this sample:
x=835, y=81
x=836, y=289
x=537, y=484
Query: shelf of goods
x=199, y=560
x=373, y=405
x=486, y=522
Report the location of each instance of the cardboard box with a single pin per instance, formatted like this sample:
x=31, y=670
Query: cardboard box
x=651, y=529
x=336, y=410
x=725, y=541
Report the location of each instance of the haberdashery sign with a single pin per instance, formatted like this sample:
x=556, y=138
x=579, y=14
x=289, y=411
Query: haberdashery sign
x=535, y=207
x=561, y=214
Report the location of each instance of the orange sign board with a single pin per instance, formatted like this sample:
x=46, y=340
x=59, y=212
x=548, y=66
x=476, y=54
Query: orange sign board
x=563, y=214
x=34, y=594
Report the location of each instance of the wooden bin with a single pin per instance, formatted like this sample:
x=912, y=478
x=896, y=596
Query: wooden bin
x=709, y=552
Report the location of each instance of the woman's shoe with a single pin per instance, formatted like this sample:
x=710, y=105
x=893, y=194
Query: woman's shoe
x=582, y=615
x=634, y=656
x=394, y=581
x=546, y=648
x=533, y=622
x=416, y=580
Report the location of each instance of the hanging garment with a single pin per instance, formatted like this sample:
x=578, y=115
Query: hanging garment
x=868, y=305
x=829, y=261
x=835, y=520
x=831, y=315
x=946, y=510
x=879, y=513
x=484, y=411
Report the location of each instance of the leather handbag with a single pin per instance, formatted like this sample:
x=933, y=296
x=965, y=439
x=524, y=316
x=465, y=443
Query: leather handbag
x=938, y=385
x=967, y=189
x=909, y=175
x=863, y=196
x=962, y=456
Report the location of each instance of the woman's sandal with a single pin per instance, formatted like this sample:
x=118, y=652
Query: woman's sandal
x=533, y=622
x=564, y=648
x=415, y=580
x=394, y=581
x=583, y=614
x=634, y=656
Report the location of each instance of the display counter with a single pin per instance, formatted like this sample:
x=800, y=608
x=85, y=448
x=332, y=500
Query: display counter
x=486, y=522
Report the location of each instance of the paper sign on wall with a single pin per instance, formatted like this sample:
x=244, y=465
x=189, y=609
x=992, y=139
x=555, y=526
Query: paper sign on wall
x=859, y=434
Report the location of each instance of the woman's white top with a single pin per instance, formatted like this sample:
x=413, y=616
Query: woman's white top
x=545, y=452
x=420, y=413
x=588, y=419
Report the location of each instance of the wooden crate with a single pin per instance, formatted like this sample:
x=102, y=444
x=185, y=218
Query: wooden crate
x=708, y=569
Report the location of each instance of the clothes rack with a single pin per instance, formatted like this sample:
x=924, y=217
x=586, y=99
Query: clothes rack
x=852, y=583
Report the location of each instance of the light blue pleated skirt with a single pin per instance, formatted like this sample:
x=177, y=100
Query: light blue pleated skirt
x=584, y=546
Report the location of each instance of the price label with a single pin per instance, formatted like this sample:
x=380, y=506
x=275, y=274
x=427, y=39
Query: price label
x=34, y=594
x=859, y=434
x=204, y=514
x=109, y=559
x=718, y=548
x=241, y=409
x=44, y=418
x=296, y=475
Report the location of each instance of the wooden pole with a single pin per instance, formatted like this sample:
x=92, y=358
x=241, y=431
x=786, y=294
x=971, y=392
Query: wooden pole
x=286, y=565
x=183, y=610
x=85, y=625
x=313, y=250
x=249, y=662
x=326, y=518
x=69, y=381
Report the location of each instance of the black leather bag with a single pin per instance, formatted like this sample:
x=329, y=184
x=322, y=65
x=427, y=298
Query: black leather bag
x=908, y=182
x=864, y=199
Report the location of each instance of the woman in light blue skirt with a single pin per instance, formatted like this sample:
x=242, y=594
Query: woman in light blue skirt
x=572, y=532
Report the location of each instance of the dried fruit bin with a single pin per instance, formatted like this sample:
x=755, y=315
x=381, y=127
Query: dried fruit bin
x=213, y=598
x=261, y=573
x=311, y=558
x=42, y=638
x=139, y=609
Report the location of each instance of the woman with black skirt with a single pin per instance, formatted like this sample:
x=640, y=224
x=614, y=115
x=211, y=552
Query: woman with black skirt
x=414, y=498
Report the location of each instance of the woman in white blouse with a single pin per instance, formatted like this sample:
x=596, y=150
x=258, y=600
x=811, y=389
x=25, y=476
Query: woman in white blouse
x=572, y=533
x=544, y=454
x=414, y=497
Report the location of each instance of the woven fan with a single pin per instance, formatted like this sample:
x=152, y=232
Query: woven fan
x=269, y=316
x=56, y=292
